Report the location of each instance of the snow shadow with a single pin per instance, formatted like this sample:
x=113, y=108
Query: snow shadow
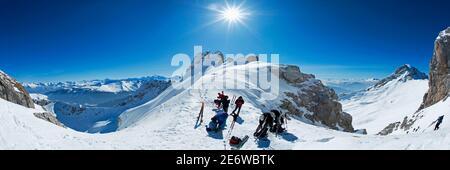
x=289, y=137
x=216, y=134
x=325, y=139
x=263, y=143
x=239, y=120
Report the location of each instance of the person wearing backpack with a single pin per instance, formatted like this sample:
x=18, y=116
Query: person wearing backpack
x=278, y=121
x=225, y=104
x=265, y=123
x=218, y=121
x=219, y=99
x=439, y=121
x=239, y=102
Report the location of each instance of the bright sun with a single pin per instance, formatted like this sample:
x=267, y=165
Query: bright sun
x=232, y=14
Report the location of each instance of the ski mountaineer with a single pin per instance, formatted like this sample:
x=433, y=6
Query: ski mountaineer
x=218, y=121
x=279, y=121
x=225, y=103
x=265, y=122
x=272, y=121
x=239, y=102
x=439, y=121
x=220, y=97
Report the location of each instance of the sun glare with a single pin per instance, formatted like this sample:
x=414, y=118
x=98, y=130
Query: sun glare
x=232, y=14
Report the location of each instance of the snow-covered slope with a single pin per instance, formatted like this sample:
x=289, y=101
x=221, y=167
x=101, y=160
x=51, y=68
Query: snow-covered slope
x=175, y=130
x=421, y=121
x=168, y=122
x=21, y=130
x=294, y=98
x=390, y=100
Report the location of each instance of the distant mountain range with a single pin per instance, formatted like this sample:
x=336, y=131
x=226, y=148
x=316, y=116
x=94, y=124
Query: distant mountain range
x=92, y=92
x=93, y=106
x=346, y=88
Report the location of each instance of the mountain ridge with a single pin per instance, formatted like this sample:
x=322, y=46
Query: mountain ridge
x=390, y=99
x=402, y=73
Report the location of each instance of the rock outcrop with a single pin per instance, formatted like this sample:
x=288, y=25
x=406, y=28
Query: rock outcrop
x=40, y=99
x=313, y=100
x=49, y=117
x=42, y=102
x=14, y=92
x=404, y=125
x=439, y=84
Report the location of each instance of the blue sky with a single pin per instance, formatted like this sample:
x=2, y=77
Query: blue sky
x=53, y=40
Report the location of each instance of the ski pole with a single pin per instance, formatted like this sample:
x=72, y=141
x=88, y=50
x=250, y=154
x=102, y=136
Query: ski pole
x=429, y=125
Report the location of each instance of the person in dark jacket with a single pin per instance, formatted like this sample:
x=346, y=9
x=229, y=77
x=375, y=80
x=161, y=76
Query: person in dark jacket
x=225, y=103
x=278, y=121
x=439, y=121
x=239, y=102
x=265, y=123
x=219, y=99
x=218, y=121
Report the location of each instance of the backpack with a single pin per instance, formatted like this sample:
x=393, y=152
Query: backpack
x=235, y=140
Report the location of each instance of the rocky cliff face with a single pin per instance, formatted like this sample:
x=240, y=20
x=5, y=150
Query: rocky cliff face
x=313, y=100
x=439, y=84
x=13, y=91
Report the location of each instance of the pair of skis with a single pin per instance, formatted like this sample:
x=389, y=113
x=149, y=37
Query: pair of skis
x=200, y=114
x=243, y=140
x=233, y=99
x=231, y=128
